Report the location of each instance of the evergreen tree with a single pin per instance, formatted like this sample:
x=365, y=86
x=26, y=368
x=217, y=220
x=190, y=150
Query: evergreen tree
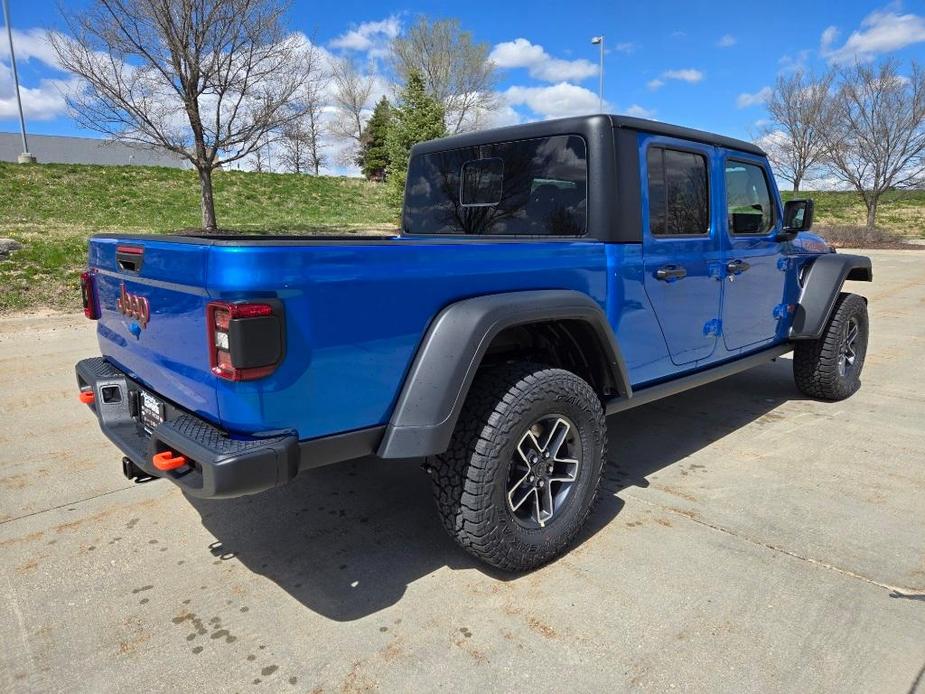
x=417, y=117
x=374, y=155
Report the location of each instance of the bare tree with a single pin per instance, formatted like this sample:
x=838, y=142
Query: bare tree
x=206, y=79
x=456, y=71
x=875, y=139
x=352, y=93
x=301, y=146
x=315, y=129
x=797, y=110
x=301, y=140
x=259, y=157
x=293, y=150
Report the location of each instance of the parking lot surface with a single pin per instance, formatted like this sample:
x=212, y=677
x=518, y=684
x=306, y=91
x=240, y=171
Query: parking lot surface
x=748, y=539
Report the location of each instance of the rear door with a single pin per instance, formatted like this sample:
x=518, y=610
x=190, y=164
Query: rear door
x=756, y=270
x=681, y=245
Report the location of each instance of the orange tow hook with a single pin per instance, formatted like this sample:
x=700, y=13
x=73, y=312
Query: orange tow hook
x=168, y=460
x=87, y=397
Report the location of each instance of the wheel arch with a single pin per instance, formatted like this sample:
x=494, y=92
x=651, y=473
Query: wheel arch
x=822, y=283
x=464, y=333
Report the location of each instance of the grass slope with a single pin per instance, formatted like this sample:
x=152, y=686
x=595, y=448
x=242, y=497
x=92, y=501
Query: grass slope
x=901, y=212
x=53, y=208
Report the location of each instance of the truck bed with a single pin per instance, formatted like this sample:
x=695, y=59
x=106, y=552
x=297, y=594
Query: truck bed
x=355, y=311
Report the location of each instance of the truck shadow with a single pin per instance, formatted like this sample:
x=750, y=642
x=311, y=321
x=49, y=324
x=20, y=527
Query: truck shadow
x=348, y=540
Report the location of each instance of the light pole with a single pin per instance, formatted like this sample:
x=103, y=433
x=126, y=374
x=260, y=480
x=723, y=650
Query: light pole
x=599, y=41
x=25, y=157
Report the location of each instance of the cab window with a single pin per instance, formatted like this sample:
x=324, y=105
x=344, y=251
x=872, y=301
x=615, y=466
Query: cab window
x=535, y=187
x=679, y=201
x=748, y=199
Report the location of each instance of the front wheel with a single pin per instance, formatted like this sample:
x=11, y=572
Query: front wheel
x=830, y=368
x=522, y=471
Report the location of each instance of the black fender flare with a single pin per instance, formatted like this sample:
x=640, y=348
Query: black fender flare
x=451, y=352
x=821, y=285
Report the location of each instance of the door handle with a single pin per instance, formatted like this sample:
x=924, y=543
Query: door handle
x=737, y=267
x=670, y=273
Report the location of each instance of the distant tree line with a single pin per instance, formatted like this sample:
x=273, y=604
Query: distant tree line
x=218, y=81
x=863, y=125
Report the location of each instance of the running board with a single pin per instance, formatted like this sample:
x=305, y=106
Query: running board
x=679, y=385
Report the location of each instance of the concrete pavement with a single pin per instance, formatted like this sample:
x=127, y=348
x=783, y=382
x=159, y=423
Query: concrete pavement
x=748, y=540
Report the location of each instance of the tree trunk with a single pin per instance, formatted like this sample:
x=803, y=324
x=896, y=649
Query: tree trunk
x=872, y=213
x=208, y=203
x=796, y=184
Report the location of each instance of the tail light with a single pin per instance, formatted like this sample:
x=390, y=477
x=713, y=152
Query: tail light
x=245, y=339
x=88, y=293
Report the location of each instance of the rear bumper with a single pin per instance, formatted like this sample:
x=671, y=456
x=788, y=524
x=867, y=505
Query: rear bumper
x=219, y=466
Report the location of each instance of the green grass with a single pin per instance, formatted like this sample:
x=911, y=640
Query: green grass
x=901, y=212
x=53, y=208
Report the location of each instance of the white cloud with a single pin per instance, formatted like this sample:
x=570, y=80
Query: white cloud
x=505, y=114
x=828, y=37
x=689, y=75
x=727, y=41
x=46, y=100
x=43, y=102
x=520, y=53
x=881, y=31
x=795, y=62
x=640, y=111
x=31, y=44
x=626, y=47
x=745, y=99
x=369, y=37
x=686, y=75
x=555, y=101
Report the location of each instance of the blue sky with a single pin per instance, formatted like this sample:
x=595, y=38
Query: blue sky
x=701, y=65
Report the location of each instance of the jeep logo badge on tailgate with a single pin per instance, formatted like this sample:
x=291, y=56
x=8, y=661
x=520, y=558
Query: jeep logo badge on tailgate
x=133, y=306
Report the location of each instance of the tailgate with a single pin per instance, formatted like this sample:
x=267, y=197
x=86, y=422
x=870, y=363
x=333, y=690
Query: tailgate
x=158, y=336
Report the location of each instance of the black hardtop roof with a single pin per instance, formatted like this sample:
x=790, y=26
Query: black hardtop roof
x=579, y=124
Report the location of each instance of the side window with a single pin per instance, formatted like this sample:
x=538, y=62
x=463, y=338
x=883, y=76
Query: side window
x=748, y=199
x=679, y=200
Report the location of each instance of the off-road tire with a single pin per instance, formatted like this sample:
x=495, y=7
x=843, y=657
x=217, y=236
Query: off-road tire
x=470, y=479
x=816, y=362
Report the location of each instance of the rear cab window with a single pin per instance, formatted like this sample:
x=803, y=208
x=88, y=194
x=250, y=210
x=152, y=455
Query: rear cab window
x=535, y=187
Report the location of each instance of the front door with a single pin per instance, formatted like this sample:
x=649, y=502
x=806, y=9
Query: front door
x=756, y=271
x=682, y=249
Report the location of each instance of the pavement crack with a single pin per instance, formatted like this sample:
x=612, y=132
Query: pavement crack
x=896, y=591
x=69, y=503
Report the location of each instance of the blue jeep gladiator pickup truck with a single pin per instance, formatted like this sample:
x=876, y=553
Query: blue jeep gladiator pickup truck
x=546, y=275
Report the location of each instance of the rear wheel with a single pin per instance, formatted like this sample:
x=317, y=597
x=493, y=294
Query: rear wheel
x=830, y=368
x=523, y=467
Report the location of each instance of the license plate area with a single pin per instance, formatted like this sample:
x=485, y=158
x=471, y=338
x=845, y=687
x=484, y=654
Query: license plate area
x=151, y=411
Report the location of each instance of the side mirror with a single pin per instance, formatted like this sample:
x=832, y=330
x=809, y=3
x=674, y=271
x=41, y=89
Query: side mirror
x=798, y=216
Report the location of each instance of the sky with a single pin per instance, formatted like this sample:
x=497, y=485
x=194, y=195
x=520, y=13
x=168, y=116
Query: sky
x=703, y=65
